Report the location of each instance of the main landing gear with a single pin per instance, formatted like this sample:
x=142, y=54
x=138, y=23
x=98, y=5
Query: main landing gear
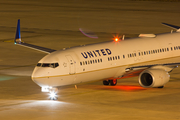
x=111, y=82
x=160, y=87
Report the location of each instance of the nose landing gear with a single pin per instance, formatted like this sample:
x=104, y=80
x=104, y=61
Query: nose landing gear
x=111, y=82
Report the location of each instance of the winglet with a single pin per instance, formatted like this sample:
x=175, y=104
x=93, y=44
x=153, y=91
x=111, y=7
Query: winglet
x=18, y=34
x=172, y=26
x=18, y=41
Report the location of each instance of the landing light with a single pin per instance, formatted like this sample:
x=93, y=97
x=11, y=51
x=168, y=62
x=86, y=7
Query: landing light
x=53, y=96
x=45, y=89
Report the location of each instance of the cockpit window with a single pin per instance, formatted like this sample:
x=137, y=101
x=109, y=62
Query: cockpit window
x=56, y=64
x=39, y=64
x=52, y=65
x=45, y=65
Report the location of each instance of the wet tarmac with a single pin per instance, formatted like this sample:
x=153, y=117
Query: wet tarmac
x=56, y=24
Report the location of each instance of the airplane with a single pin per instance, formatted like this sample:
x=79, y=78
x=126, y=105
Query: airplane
x=149, y=56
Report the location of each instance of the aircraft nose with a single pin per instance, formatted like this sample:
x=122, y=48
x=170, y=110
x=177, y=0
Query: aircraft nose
x=38, y=77
x=36, y=73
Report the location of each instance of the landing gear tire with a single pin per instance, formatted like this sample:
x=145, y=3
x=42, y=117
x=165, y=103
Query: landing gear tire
x=160, y=87
x=113, y=82
x=106, y=82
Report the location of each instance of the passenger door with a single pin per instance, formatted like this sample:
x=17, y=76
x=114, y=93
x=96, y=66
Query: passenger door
x=72, y=67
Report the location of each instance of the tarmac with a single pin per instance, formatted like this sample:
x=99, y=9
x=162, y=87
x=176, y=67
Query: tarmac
x=56, y=24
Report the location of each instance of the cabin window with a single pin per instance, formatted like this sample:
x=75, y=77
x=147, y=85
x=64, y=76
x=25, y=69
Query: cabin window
x=144, y=53
x=135, y=54
x=95, y=61
x=123, y=56
x=118, y=57
x=167, y=49
x=177, y=47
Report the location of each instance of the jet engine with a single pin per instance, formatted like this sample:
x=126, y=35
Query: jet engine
x=153, y=78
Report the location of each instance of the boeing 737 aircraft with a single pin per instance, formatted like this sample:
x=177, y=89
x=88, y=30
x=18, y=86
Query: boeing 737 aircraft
x=151, y=57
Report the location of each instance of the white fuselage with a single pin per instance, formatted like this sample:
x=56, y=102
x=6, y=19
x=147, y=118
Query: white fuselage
x=105, y=60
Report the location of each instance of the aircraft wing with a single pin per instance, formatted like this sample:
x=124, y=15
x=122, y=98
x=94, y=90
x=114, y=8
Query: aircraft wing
x=153, y=65
x=136, y=70
x=18, y=41
x=171, y=26
x=163, y=64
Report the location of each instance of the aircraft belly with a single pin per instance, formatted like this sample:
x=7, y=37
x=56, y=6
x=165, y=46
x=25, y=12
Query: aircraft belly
x=98, y=74
x=62, y=80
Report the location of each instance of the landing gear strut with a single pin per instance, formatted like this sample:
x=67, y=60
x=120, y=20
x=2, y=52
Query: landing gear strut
x=106, y=82
x=111, y=82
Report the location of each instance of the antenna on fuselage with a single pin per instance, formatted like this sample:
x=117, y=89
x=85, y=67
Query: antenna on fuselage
x=123, y=37
x=171, y=31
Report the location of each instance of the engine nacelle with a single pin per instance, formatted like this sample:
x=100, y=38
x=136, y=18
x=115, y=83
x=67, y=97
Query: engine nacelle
x=153, y=78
